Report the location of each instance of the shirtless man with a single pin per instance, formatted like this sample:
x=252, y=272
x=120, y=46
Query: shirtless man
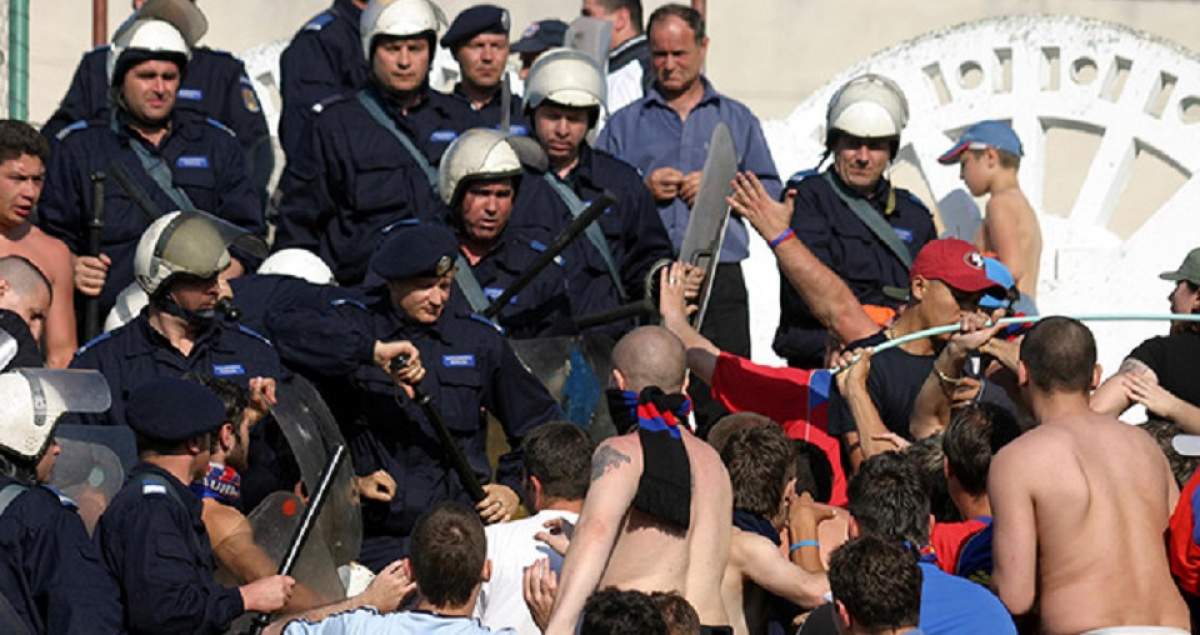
x=1081, y=502
x=618, y=543
x=23, y=153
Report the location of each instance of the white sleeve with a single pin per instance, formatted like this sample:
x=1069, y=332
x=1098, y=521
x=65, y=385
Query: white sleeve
x=357, y=622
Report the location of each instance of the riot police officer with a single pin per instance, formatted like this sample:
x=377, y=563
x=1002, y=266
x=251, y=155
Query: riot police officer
x=469, y=369
x=478, y=178
x=216, y=85
x=852, y=217
x=158, y=158
x=51, y=578
x=564, y=95
x=324, y=59
x=478, y=39
x=368, y=158
x=152, y=538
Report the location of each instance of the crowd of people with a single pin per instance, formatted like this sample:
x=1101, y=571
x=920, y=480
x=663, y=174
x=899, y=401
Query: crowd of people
x=420, y=245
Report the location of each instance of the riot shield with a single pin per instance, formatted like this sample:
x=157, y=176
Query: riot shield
x=591, y=36
x=91, y=466
x=8, y=348
x=575, y=372
x=710, y=214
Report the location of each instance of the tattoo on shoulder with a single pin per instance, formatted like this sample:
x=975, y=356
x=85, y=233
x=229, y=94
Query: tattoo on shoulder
x=1133, y=365
x=607, y=458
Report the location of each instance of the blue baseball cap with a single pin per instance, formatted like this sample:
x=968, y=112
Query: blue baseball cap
x=985, y=134
x=996, y=298
x=173, y=410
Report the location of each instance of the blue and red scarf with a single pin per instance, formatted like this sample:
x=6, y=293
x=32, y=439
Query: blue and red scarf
x=222, y=484
x=665, y=489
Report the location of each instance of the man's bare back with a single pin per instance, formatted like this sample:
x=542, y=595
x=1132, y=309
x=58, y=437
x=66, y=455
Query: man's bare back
x=51, y=256
x=646, y=555
x=1080, y=504
x=1011, y=231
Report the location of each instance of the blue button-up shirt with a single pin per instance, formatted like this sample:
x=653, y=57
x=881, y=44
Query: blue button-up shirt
x=650, y=135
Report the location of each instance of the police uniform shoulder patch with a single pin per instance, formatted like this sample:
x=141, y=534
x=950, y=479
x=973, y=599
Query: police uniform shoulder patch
x=92, y=342
x=249, y=97
x=801, y=175
x=253, y=333
x=540, y=247
x=482, y=320
x=64, y=500
x=348, y=302
x=153, y=488
x=319, y=22
x=220, y=126
x=65, y=132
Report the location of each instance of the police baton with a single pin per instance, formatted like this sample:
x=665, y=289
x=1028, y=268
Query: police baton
x=458, y=460
x=307, y=523
x=95, y=232
x=578, y=225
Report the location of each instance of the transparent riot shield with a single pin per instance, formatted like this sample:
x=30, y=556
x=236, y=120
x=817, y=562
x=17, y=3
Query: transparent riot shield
x=575, y=371
x=90, y=468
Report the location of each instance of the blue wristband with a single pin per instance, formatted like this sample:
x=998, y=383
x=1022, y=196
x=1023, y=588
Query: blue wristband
x=781, y=238
x=803, y=543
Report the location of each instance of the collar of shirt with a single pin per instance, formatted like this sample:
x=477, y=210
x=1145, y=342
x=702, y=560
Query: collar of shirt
x=348, y=10
x=626, y=45
x=655, y=98
x=180, y=126
x=492, y=102
x=393, y=323
x=583, y=172
x=153, y=341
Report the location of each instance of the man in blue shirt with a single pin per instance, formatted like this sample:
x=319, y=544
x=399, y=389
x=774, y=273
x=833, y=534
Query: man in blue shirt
x=887, y=501
x=665, y=136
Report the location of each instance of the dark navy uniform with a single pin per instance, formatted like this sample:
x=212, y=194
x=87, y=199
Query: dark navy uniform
x=492, y=112
x=215, y=85
x=325, y=58
x=470, y=369
x=828, y=227
x=539, y=210
x=632, y=226
x=50, y=572
x=542, y=309
x=354, y=179
x=257, y=294
x=205, y=162
x=153, y=540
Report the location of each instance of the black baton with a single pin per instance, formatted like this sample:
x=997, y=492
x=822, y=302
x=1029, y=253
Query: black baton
x=578, y=225
x=307, y=522
x=95, y=233
x=458, y=460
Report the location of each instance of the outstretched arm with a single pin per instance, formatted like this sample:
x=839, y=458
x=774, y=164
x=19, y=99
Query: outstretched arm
x=616, y=468
x=1111, y=398
x=701, y=352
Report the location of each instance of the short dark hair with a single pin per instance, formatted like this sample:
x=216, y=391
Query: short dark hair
x=1164, y=432
x=633, y=6
x=886, y=499
x=615, y=612
x=447, y=553
x=559, y=454
x=760, y=463
x=975, y=434
x=18, y=138
x=235, y=398
x=814, y=471
x=677, y=612
x=878, y=581
x=1059, y=355
x=690, y=16
x=720, y=432
x=928, y=460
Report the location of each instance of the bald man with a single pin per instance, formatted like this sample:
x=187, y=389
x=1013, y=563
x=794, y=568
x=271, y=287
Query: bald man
x=641, y=528
x=24, y=294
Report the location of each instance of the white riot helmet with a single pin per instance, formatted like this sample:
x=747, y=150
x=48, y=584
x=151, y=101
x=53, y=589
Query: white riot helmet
x=298, y=263
x=869, y=107
x=567, y=77
x=479, y=153
x=35, y=398
x=160, y=29
x=130, y=302
x=400, y=18
x=191, y=243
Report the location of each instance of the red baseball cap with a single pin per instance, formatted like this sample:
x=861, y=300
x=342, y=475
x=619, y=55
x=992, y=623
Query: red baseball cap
x=954, y=262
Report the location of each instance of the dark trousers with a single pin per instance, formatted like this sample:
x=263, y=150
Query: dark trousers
x=726, y=324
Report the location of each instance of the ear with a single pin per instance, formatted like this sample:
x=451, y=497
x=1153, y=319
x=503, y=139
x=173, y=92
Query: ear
x=5, y=287
x=852, y=530
x=789, y=491
x=704, y=45
x=536, y=489
x=946, y=469
x=617, y=379
x=1022, y=374
x=1097, y=375
x=843, y=615
x=486, y=574
x=993, y=157
x=228, y=435
x=687, y=378
x=621, y=19
x=917, y=288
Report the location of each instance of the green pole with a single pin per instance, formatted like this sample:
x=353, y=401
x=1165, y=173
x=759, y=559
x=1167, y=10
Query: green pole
x=18, y=59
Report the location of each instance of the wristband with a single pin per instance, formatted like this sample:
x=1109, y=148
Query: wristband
x=787, y=235
x=944, y=378
x=803, y=543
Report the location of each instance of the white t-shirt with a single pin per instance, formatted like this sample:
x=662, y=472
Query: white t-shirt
x=624, y=86
x=367, y=620
x=511, y=547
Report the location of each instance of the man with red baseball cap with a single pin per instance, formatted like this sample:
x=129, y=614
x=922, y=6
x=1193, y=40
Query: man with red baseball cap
x=876, y=395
